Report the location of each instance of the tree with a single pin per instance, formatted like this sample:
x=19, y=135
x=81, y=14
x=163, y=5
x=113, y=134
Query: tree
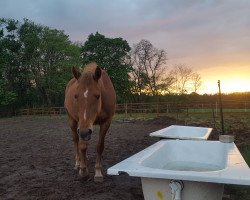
x=149, y=68
x=185, y=79
x=35, y=62
x=111, y=54
x=6, y=97
x=196, y=82
x=10, y=79
x=48, y=55
x=52, y=69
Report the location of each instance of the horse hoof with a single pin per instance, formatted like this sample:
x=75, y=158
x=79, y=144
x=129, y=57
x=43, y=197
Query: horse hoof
x=85, y=178
x=98, y=179
x=83, y=173
x=76, y=167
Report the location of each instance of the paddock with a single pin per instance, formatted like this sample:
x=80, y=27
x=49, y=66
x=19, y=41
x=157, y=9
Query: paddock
x=37, y=159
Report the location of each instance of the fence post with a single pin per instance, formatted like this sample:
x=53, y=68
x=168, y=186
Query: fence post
x=213, y=116
x=221, y=111
x=157, y=109
x=216, y=109
x=126, y=109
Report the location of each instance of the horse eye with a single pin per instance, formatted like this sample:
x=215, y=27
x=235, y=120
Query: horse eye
x=76, y=96
x=97, y=96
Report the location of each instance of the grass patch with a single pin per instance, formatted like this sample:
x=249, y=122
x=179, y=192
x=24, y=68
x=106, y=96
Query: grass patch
x=41, y=117
x=134, y=116
x=238, y=192
x=246, y=154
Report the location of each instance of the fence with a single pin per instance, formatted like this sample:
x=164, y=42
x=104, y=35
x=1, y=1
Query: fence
x=52, y=111
x=158, y=108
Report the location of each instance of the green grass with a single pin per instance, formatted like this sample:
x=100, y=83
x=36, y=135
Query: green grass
x=135, y=116
x=238, y=192
x=245, y=151
x=41, y=117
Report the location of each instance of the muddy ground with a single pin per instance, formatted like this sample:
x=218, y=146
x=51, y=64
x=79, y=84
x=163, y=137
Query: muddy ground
x=37, y=160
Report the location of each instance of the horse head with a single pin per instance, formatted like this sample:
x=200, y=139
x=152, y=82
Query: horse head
x=87, y=100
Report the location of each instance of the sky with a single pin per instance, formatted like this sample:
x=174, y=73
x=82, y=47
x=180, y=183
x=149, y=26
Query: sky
x=210, y=36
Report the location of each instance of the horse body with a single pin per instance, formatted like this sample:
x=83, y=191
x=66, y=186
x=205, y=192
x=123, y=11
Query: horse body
x=89, y=99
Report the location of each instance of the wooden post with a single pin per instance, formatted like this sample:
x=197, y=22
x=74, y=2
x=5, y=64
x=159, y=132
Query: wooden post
x=157, y=109
x=221, y=112
x=213, y=115
x=126, y=109
x=216, y=109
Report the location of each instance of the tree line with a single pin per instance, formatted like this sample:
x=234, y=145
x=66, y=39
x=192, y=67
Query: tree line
x=36, y=62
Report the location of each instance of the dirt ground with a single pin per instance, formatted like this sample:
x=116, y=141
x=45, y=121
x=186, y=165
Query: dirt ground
x=37, y=160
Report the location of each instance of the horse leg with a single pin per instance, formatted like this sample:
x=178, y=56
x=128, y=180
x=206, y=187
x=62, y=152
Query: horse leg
x=76, y=139
x=73, y=126
x=82, y=147
x=99, y=148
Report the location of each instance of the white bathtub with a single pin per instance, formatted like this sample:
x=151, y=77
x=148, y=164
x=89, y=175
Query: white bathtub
x=183, y=132
x=203, y=166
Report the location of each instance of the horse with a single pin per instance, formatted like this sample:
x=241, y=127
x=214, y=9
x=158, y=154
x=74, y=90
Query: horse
x=90, y=99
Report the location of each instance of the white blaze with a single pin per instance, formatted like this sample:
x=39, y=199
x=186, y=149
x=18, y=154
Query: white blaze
x=85, y=96
x=86, y=93
x=84, y=115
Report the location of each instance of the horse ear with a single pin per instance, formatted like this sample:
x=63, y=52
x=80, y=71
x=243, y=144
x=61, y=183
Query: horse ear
x=98, y=73
x=76, y=73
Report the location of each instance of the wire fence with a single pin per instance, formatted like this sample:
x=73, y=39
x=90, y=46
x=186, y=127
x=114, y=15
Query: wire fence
x=158, y=108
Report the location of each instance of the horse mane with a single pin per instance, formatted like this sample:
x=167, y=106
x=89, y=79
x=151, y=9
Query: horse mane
x=88, y=71
x=91, y=67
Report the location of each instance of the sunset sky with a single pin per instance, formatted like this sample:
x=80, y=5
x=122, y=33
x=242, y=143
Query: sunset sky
x=211, y=36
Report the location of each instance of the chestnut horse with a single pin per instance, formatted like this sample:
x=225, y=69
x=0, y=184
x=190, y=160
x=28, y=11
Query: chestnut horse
x=89, y=99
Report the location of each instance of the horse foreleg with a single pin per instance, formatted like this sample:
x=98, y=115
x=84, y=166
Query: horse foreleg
x=82, y=147
x=73, y=126
x=76, y=140
x=99, y=148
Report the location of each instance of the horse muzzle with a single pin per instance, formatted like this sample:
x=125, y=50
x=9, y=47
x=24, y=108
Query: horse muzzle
x=84, y=134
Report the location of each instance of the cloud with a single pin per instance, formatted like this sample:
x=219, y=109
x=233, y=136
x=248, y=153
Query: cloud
x=190, y=30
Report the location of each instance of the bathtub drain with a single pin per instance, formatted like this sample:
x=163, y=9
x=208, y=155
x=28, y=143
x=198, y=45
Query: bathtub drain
x=176, y=188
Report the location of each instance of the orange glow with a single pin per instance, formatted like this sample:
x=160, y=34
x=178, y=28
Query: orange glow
x=233, y=79
x=227, y=86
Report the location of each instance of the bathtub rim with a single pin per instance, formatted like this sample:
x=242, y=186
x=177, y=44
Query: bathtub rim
x=236, y=171
x=163, y=133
